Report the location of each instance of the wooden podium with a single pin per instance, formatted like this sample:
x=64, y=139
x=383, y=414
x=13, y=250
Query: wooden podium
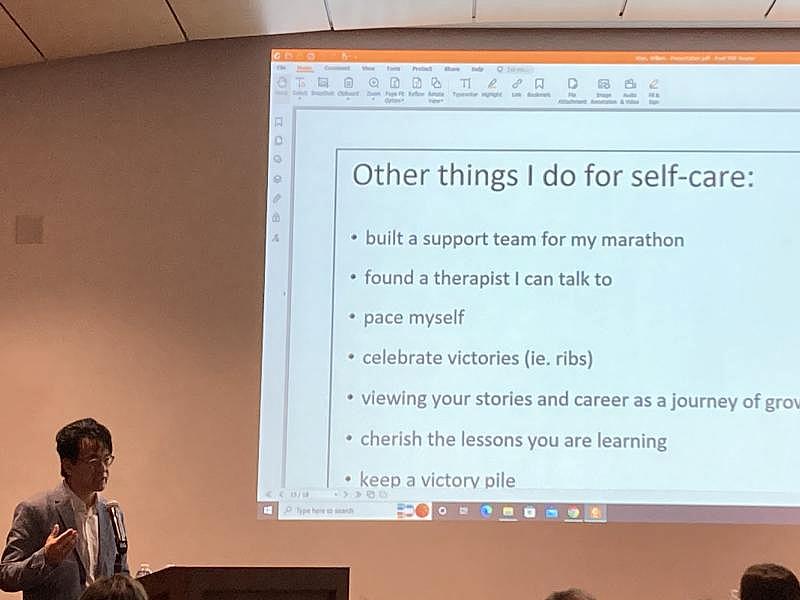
x=248, y=583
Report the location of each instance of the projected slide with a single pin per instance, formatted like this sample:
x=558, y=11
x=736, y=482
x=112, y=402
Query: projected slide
x=531, y=286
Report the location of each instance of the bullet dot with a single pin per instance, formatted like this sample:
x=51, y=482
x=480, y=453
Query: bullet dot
x=349, y=396
x=351, y=356
x=352, y=276
x=347, y=478
x=349, y=437
x=354, y=237
x=352, y=315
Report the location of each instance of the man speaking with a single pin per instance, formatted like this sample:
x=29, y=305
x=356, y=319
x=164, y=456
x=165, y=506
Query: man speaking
x=62, y=540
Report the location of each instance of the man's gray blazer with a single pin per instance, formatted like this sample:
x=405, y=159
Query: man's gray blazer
x=23, y=567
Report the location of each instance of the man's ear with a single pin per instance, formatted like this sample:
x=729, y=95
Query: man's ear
x=66, y=467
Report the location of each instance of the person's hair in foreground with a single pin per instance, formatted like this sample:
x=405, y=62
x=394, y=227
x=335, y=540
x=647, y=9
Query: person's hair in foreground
x=118, y=587
x=571, y=594
x=769, y=581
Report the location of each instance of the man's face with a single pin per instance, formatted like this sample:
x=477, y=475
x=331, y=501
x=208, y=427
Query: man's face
x=90, y=472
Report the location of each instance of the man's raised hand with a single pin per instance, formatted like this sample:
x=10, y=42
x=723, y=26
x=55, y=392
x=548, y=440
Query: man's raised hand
x=58, y=546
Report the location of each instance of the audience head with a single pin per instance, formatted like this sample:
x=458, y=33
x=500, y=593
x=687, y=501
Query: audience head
x=769, y=582
x=118, y=587
x=571, y=594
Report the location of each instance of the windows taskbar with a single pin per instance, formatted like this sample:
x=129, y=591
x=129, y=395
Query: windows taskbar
x=519, y=512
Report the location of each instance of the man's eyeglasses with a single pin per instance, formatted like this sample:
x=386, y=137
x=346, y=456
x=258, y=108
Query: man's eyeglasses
x=107, y=461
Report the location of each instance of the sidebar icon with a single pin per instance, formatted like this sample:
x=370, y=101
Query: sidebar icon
x=276, y=167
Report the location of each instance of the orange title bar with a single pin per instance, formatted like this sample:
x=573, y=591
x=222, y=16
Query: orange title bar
x=521, y=57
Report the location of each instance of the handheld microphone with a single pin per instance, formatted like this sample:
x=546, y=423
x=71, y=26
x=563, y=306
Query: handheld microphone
x=118, y=525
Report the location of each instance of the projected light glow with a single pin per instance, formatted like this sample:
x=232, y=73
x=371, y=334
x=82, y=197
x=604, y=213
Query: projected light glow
x=531, y=286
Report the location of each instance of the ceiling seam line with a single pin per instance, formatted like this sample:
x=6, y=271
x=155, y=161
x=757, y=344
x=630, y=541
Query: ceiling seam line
x=769, y=10
x=328, y=13
x=622, y=10
x=177, y=20
x=27, y=37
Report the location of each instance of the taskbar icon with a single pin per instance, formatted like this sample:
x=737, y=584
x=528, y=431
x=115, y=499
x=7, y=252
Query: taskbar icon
x=517, y=512
x=414, y=511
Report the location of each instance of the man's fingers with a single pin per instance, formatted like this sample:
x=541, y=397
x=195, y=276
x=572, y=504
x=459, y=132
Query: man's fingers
x=66, y=541
x=62, y=550
x=58, y=546
x=69, y=533
x=69, y=545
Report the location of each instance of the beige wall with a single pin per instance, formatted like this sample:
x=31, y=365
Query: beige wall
x=143, y=309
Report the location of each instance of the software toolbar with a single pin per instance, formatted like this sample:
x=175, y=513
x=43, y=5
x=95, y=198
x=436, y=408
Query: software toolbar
x=448, y=85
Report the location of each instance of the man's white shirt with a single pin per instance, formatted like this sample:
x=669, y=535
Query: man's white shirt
x=88, y=533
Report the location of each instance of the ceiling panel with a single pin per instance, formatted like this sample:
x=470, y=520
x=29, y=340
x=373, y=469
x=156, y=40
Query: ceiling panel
x=696, y=10
x=77, y=27
x=548, y=10
x=364, y=14
x=206, y=19
x=15, y=49
x=785, y=10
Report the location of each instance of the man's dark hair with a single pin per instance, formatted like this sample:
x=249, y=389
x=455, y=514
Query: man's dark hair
x=769, y=581
x=571, y=594
x=118, y=587
x=68, y=439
